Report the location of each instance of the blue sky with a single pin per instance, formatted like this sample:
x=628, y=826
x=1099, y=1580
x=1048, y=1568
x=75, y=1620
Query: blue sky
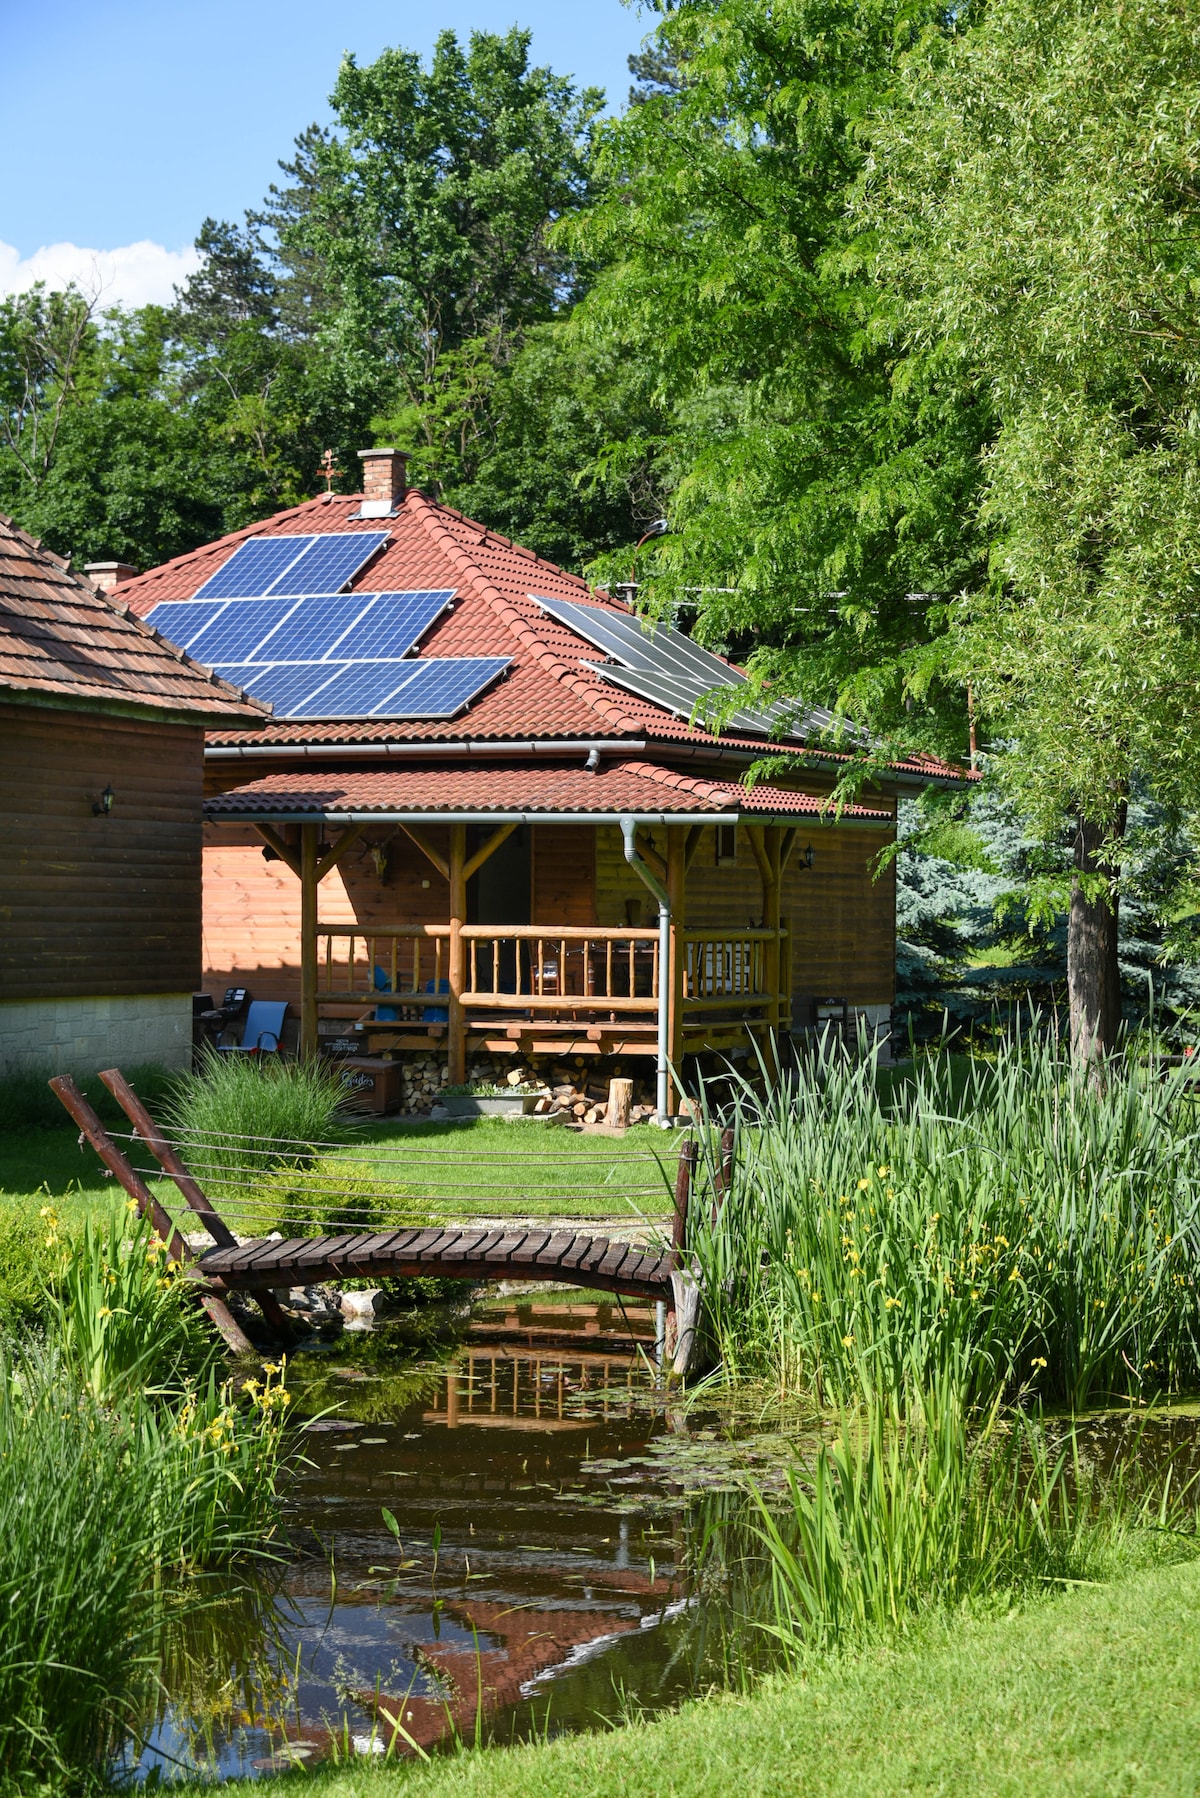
x=130, y=120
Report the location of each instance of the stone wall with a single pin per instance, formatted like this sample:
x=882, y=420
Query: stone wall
x=74, y=1036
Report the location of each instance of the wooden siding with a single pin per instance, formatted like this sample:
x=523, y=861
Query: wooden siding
x=98, y=906
x=252, y=906
x=564, y=874
x=843, y=922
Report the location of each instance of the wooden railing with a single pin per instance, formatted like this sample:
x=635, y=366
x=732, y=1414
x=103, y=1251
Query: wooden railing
x=553, y=971
x=735, y=970
x=414, y=959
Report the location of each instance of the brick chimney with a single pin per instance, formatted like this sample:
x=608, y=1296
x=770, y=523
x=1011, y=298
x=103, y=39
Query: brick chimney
x=385, y=481
x=107, y=575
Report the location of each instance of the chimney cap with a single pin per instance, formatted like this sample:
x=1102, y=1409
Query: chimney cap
x=107, y=575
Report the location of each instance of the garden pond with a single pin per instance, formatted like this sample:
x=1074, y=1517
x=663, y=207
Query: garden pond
x=489, y=1539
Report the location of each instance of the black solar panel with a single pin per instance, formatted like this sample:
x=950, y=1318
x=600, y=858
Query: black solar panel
x=667, y=668
x=253, y=568
x=329, y=562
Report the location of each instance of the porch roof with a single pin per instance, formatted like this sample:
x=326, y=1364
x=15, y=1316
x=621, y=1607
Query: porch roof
x=515, y=794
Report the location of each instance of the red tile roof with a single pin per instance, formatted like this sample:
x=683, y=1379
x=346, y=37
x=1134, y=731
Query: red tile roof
x=63, y=641
x=547, y=693
x=639, y=787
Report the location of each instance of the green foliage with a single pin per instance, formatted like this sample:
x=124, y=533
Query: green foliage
x=121, y=1312
x=1032, y=195
x=819, y=495
x=95, y=1504
x=328, y=1195
x=903, y=1514
x=237, y=1118
x=1026, y=1233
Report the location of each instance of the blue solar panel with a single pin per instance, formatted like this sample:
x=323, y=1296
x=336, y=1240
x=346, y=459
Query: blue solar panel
x=357, y=627
x=182, y=620
x=235, y=634
x=329, y=562
x=443, y=685
x=312, y=628
x=253, y=567
x=356, y=690
x=394, y=625
x=283, y=686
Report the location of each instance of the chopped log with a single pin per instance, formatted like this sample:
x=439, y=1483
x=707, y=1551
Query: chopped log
x=620, y=1103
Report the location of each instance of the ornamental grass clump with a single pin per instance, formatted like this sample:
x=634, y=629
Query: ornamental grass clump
x=239, y=1118
x=1033, y=1233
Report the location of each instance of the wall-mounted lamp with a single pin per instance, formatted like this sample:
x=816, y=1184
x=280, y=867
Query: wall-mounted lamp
x=102, y=806
x=379, y=856
x=807, y=856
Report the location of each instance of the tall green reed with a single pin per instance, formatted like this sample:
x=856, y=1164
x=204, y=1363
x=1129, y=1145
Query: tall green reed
x=914, y=1509
x=1024, y=1232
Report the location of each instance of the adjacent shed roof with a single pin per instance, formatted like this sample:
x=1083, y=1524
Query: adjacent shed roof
x=639, y=788
x=62, y=643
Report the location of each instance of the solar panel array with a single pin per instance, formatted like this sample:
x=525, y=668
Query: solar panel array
x=324, y=563
x=667, y=668
x=331, y=655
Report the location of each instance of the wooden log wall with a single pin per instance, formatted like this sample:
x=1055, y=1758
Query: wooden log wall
x=843, y=922
x=93, y=906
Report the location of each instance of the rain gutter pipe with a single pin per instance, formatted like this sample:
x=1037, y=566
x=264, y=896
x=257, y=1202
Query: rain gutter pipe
x=430, y=750
x=629, y=832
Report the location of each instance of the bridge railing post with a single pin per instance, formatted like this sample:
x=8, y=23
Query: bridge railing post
x=122, y=1169
x=685, y=1174
x=172, y=1163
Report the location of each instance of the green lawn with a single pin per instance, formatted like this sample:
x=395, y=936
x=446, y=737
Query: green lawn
x=492, y=1167
x=1097, y=1692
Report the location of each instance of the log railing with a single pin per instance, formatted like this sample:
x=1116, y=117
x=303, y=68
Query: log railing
x=559, y=970
x=413, y=958
x=554, y=971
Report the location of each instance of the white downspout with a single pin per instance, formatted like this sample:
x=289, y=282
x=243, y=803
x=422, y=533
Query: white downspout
x=629, y=832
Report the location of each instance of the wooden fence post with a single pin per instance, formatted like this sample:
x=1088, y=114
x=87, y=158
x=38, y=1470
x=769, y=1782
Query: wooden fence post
x=308, y=940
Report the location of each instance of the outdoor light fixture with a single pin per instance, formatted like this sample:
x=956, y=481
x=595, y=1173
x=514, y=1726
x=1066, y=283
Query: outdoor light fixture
x=102, y=806
x=806, y=855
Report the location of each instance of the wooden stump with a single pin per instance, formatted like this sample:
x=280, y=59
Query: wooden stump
x=620, y=1103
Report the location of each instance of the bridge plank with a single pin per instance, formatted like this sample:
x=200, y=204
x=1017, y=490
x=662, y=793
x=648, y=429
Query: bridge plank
x=471, y=1254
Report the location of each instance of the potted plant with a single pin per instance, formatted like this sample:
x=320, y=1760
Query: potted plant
x=483, y=1099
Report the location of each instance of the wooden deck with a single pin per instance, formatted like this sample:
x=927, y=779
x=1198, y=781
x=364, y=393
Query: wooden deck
x=459, y=1254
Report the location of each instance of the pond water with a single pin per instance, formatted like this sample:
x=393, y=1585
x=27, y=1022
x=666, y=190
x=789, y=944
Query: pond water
x=534, y=1581
x=545, y=1495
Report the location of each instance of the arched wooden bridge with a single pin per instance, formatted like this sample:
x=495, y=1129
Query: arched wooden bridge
x=474, y=1255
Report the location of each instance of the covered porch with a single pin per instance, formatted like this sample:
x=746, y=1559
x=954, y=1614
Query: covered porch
x=501, y=972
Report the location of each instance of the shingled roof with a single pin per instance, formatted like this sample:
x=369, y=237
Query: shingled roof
x=548, y=693
x=64, y=644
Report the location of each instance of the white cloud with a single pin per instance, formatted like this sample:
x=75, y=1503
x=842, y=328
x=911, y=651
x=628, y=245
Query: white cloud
x=137, y=274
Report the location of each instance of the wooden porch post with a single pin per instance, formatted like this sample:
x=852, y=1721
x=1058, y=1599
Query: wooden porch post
x=309, y=834
x=676, y=891
x=456, y=1048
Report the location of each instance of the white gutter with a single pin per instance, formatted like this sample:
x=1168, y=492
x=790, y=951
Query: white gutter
x=249, y=752
x=629, y=832
x=496, y=817
x=445, y=816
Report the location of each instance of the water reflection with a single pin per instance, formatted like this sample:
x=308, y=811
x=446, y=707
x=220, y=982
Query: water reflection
x=521, y=1591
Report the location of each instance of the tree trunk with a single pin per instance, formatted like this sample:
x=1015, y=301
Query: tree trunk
x=1093, y=978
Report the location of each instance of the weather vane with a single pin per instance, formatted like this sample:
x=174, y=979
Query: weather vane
x=329, y=468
